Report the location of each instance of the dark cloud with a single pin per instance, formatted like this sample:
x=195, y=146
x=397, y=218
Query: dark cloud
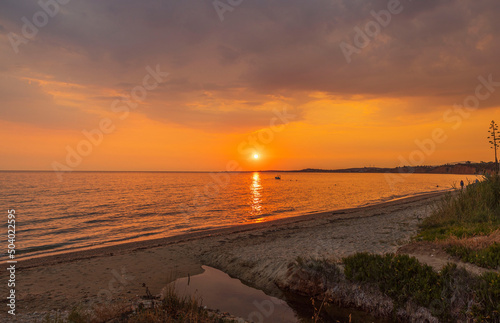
x=432, y=49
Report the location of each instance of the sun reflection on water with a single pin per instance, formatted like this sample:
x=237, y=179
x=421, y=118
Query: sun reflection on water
x=256, y=196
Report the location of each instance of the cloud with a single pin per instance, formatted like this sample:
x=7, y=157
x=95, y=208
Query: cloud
x=26, y=102
x=432, y=50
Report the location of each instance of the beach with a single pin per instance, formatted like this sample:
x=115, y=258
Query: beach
x=258, y=254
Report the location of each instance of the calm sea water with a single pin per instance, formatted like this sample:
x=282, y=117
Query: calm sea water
x=93, y=209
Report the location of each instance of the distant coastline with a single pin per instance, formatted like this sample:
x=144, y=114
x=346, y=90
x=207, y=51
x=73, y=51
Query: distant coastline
x=466, y=168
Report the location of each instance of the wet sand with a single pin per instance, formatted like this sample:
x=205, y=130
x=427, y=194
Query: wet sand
x=258, y=254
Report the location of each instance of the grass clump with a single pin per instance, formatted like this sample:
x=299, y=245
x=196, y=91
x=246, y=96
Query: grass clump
x=473, y=211
x=487, y=257
x=174, y=308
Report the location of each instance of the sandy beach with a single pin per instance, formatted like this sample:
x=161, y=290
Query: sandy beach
x=257, y=254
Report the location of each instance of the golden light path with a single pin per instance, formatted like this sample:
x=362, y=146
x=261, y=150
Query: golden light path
x=256, y=196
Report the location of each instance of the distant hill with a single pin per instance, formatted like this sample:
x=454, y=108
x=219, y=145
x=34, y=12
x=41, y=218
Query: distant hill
x=455, y=168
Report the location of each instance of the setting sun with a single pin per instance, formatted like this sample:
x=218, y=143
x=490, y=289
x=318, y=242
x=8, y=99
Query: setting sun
x=256, y=156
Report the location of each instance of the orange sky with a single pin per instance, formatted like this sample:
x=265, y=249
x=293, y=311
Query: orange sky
x=271, y=79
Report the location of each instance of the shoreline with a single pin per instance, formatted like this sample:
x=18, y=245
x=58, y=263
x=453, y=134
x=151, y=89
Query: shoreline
x=258, y=254
x=89, y=252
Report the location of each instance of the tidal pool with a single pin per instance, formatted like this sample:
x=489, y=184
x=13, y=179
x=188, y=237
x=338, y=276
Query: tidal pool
x=217, y=290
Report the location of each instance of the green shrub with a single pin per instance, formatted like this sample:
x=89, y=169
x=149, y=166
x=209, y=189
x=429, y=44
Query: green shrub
x=448, y=293
x=487, y=292
x=488, y=257
x=400, y=277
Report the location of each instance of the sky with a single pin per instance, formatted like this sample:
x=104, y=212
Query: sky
x=210, y=85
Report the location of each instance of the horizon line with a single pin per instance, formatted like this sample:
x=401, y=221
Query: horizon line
x=242, y=171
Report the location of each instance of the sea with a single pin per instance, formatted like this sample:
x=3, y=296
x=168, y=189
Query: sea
x=93, y=209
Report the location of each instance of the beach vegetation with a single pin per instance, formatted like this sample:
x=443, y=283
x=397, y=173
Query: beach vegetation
x=488, y=257
x=465, y=213
x=494, y=141
x=449, y=294
x=401, y=277
x=466, y=216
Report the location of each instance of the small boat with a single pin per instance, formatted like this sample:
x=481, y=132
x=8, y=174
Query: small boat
x=277, y=177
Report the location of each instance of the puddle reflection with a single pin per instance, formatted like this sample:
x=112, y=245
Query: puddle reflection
x=219, y=291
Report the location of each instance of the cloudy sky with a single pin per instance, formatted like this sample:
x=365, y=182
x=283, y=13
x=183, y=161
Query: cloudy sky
x=322, y=83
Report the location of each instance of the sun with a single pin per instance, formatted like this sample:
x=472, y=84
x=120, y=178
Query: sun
x=255, y=156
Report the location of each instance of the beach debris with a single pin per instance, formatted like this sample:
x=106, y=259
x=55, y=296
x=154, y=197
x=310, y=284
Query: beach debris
x=147, y=301
x=225, y=316
x=146, y=304
x=148, y=293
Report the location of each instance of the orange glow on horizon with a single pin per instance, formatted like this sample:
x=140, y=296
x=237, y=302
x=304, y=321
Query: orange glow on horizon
x=331, y=134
